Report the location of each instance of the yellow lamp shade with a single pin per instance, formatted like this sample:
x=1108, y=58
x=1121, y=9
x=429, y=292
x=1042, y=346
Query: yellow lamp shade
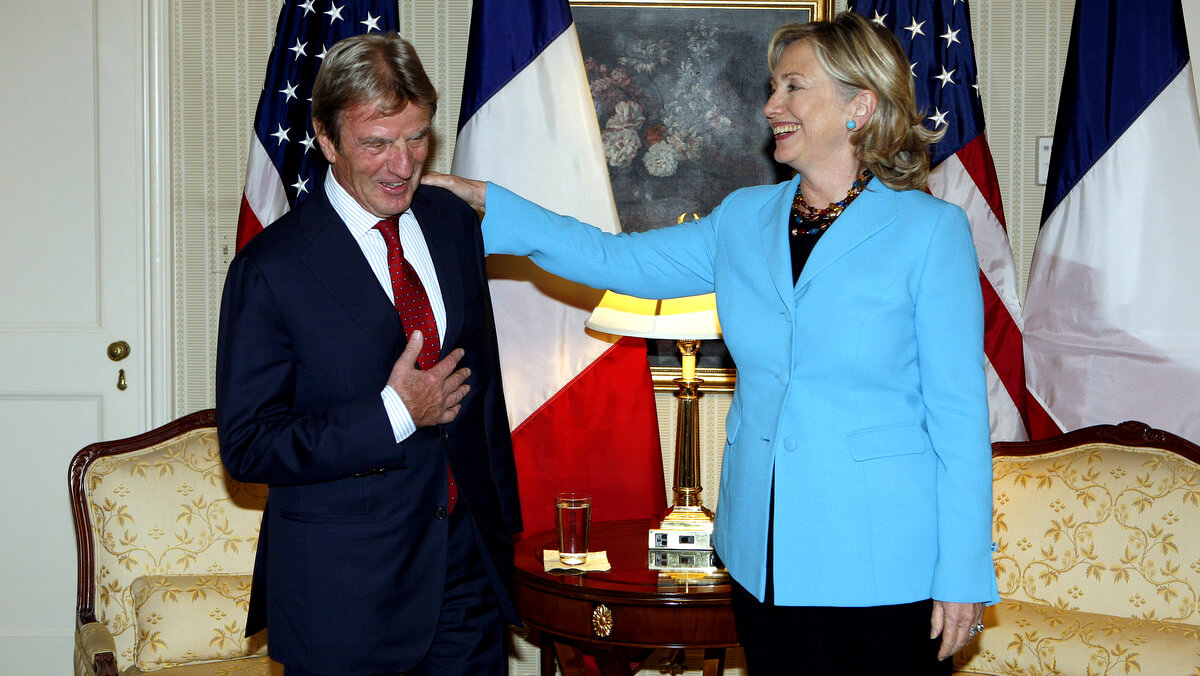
x=690, y=318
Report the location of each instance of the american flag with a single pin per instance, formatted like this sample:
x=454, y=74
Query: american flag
x=936, y=35
x=285, y=162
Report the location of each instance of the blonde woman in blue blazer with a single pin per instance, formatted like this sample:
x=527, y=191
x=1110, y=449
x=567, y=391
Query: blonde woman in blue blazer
x=855, y=499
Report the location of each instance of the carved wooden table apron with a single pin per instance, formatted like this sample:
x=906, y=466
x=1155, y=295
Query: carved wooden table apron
x=625, y=608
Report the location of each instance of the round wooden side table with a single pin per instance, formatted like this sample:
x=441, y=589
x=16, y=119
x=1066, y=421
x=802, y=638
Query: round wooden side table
x=608, y=614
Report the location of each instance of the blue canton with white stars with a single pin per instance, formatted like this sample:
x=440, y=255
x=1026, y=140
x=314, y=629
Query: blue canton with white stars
x=283, y=121
x=936, y=35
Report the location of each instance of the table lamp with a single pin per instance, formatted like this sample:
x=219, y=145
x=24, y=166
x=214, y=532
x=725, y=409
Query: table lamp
x=683, y=541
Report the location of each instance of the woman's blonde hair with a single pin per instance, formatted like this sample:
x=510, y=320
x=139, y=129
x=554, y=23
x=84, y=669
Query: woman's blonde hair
x=858, y=55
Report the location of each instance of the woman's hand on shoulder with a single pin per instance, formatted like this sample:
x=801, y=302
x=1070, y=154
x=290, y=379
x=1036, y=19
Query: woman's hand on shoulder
x=472, y=192
x=957, y=623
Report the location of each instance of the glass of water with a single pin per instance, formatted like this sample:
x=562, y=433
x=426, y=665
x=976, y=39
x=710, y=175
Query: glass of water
x=574, y=515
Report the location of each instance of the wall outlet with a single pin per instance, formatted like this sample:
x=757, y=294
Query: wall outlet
x=1044, y=145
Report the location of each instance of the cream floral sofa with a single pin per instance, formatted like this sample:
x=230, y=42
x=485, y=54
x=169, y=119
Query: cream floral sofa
x=1097, y=538
x=166, y=547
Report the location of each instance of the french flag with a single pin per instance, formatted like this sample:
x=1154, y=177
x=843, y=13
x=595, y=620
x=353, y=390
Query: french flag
x=581, y=408
x=1112, y=314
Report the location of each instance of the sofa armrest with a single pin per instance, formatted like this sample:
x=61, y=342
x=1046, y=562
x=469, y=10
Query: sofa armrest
x=96, y=646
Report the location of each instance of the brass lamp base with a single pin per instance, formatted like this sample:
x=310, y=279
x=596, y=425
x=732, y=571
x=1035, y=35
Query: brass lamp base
x=687, y=509
x=682, y=545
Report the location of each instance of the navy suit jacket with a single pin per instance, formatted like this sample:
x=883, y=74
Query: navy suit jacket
x=351, y=558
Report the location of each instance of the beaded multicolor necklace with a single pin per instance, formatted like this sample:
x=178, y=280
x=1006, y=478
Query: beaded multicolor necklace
x=809, y=221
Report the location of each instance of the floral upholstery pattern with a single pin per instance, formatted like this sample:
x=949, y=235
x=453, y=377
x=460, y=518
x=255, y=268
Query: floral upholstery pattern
x=170, y=607
x=156, y=512
x=1098, y=563
x=1032, y=638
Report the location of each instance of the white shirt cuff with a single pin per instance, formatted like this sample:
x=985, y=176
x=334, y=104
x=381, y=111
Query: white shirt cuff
x=397, y=413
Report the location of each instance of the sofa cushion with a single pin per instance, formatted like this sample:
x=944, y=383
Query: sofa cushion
x=1025, y=638
x=183, y=619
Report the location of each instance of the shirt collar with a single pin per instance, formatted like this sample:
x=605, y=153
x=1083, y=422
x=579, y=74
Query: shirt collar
x=357, y=219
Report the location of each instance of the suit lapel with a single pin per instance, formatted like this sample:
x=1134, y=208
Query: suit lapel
x=869, y=213
x=447, y=261
x=336, y=259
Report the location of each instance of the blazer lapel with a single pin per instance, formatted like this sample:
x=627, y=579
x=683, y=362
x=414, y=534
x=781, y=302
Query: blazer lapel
x=869, y=213
x=336, y=259
x=447, y=261
x=773, y=219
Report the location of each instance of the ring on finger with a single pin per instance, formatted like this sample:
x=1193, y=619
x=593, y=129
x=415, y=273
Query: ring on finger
x=975, y=629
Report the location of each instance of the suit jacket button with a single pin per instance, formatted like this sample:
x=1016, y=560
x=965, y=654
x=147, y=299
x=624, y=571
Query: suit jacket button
x=445, y=434
x=440, y=512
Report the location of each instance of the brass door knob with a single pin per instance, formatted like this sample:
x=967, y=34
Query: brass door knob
x=118, y=350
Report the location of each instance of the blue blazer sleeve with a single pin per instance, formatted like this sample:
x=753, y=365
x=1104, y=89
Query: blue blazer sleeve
x=665, y=263
x=949, y=329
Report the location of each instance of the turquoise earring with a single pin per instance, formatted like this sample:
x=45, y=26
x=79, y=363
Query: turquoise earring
x=851, y=124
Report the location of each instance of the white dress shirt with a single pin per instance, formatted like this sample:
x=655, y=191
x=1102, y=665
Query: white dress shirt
x=361, y=225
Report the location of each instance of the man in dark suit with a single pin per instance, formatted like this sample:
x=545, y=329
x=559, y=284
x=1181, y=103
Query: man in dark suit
x=357, y=374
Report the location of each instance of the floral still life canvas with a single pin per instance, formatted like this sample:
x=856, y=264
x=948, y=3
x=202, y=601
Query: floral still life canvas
x=679, y=95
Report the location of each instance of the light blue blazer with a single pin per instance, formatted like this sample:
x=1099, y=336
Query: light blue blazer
x=860, y=389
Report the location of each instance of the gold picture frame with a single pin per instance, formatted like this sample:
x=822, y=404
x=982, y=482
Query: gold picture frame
x=678, y=85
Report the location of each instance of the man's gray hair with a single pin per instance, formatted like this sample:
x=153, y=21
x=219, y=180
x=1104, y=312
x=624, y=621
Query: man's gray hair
x=368, y=68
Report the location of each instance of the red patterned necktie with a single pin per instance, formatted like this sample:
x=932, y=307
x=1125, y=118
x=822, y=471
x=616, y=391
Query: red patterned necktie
x=412, y=303
x=409, y=293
